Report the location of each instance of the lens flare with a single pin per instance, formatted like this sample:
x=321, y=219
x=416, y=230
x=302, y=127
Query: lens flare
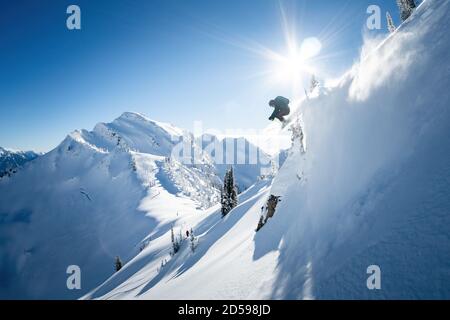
x=310, y=48
x=297, y=63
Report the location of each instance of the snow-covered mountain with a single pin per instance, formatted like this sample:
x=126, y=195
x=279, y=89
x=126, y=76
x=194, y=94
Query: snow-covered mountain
x=10, y=160
x=249, y=161
x=368, y=187
x=100, y=194
x=371, y=189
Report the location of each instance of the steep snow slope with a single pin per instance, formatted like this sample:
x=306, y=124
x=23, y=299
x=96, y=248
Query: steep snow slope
x=199, y=274
x=67, y=209
x=10, y=160
x=375, y=178
x=97, y=195
x=371, y=189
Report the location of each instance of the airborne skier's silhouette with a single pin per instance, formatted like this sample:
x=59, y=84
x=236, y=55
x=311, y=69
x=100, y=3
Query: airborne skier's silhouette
x=281, y=105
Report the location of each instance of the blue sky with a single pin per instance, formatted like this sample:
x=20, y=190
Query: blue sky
x=177, y=61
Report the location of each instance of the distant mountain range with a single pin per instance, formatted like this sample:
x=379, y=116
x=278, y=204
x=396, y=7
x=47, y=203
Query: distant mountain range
x=103, y=193
x=10, y=160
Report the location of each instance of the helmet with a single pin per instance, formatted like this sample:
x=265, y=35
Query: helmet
x=272, y=103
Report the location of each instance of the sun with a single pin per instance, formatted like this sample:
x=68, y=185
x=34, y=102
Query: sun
x=298, y=63
x=291, y=65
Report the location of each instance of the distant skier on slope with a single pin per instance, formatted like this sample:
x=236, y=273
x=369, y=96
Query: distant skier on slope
x=281, y=105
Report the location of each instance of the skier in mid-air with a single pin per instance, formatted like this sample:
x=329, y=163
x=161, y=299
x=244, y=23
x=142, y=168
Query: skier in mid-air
x=281, y=105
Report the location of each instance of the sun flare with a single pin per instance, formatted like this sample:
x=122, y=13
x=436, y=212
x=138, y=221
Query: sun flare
x=296, y=64
x=292, y=64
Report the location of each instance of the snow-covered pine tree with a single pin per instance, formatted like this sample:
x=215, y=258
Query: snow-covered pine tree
x=118, y=263
x=229, y=198
x=411, y=3
x=390, y=22
x=233, y=192
x=224, y=196
x=314, y=83
x=133, y=165
x=403, y=11
x=406, y=8
x=297, y=136
x=192, y=239
x=175, y=242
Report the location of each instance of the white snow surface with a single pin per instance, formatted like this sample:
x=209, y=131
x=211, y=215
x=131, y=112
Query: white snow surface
x=372, y=189
x=99, y=194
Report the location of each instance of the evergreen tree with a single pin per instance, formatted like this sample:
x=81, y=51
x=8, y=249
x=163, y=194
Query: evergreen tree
x=390, y=22
x=314, y=83
x=297, y=136
x=411, y=4
x=224, y=197
x=406, y=8
x=175, y=242
x=118, y=263
x=403, y=10
x=229, y=198
x=192, y=239
x=172, y=236
x=232, y=189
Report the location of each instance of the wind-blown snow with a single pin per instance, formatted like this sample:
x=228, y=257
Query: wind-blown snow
x=376, y=173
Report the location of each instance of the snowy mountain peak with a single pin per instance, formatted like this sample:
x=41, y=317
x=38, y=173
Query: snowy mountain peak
x=133, y=132
x=130, y=115
x=11, y=160
x=5, y=151
x=139, y=118
x=115, y=185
